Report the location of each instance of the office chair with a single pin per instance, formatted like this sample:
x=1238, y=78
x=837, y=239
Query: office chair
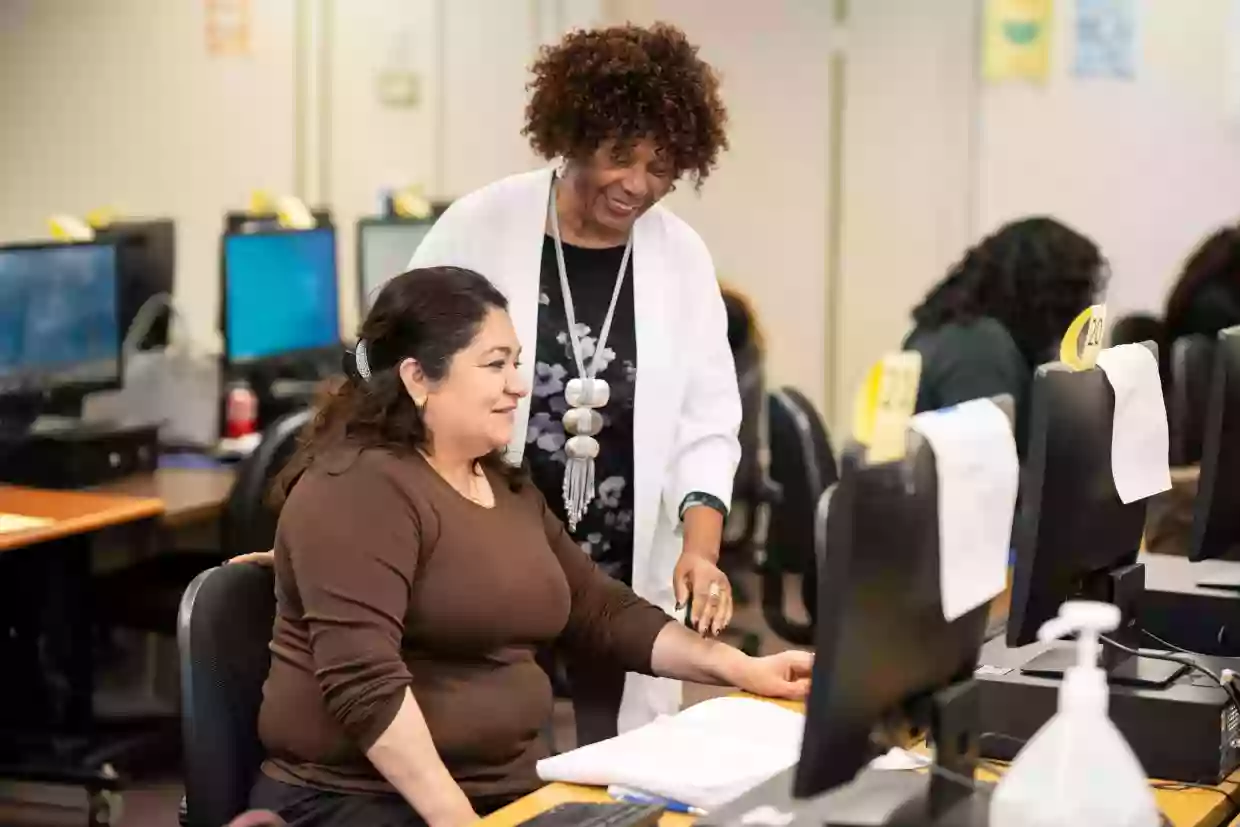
x=223, y=631
x=145, y=596
x=803, y=467
x=1192, y=366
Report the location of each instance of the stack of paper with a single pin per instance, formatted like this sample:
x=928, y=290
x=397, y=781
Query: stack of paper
x=704, y=757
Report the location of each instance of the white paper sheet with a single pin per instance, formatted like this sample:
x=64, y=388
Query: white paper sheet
x=1139, y=442
x=704, y=757
x=978, y=477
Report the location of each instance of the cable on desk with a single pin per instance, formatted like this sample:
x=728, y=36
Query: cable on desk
x=1224, y=681
x=1169, y=645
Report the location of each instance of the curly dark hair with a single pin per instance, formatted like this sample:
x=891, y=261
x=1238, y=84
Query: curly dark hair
x=430, y=315
x=1033, y=276
x=627, y=83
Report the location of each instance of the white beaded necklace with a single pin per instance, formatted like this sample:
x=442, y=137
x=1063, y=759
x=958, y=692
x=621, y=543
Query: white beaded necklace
x=586, y=393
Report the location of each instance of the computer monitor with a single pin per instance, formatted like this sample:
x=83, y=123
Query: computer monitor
x=1216, y=511
x=146, y=267
x=1073, y=537
x=887, y=660
x=384, y=247
x=1192, y=369
x=59, y=326
x=280, y=300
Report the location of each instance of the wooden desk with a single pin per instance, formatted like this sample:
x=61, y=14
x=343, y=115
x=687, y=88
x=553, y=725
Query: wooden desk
x=189, y=495
x=1185, y=807
x=72, y=513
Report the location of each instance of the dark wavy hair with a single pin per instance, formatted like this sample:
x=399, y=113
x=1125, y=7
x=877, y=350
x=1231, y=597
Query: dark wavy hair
x=1033, y=276
x=626, y=84
x=429, y=315
x=1215, y=261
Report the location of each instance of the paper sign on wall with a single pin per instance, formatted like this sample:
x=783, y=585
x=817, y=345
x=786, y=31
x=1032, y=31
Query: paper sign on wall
x=1106, y=39
x=227, y=27
x=1016, y=39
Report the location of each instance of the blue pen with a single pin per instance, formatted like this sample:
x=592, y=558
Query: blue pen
x=630, y=797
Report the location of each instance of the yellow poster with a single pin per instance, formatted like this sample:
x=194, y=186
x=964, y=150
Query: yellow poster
x=1016, y=39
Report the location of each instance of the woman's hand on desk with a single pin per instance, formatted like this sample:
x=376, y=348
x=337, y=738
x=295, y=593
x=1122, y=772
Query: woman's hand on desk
x=262, y=558
x=784, y=676
x=680, y=654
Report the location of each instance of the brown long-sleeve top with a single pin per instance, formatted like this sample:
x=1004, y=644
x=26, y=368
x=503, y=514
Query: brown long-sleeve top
x=387, y=579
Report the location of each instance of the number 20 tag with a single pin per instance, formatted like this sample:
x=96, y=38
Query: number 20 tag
x=1083, y=341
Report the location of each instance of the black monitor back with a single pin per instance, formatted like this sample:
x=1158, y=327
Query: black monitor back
x=881, y=639
x=146, y=267
x=1192, y=370
x=1216, y=511
x=1071, y=524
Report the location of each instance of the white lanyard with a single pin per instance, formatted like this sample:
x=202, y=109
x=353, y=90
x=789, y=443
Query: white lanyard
x=569, y=313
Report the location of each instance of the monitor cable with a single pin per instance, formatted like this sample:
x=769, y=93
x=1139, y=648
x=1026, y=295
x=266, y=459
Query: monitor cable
x=1226, y=680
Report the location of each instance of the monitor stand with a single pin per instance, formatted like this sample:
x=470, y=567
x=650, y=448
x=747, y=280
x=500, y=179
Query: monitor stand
x=1123, y=587
x=902, y=799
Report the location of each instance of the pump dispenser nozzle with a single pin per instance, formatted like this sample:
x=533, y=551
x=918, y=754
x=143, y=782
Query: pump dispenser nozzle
x=1086, y=619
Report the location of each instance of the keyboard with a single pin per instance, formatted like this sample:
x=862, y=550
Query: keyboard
x=598, y=815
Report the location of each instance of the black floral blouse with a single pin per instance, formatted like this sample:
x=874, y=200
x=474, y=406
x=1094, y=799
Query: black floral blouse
x=605, y=532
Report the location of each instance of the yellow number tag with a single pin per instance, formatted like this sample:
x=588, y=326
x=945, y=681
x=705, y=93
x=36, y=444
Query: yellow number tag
x=102, y=217
x=1083, y=341
x=411, y=203
x=262, y=202
x=69, y=228
x=884, y=404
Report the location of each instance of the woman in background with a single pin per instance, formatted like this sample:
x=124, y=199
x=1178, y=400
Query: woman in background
x=605, y=282
x=1001, y=311
x=1206, y=297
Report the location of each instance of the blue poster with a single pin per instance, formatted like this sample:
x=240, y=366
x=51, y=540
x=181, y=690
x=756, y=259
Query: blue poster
x=1106, y=39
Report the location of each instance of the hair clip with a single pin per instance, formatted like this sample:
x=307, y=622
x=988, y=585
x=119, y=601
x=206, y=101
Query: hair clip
x=361, y=361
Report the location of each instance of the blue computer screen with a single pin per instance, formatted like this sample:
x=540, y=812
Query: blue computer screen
x=280, y=293
x=58, y=316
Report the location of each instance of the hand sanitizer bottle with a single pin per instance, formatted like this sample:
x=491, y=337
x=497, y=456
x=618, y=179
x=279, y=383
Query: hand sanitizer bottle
x=1077, y=770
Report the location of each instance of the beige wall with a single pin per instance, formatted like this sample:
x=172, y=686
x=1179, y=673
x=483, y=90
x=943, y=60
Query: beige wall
x=118, y=103
x=763, y=213
x=907, y=179
x=1146, y=167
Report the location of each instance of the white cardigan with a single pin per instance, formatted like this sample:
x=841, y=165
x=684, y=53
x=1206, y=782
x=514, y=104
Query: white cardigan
x=687, y=407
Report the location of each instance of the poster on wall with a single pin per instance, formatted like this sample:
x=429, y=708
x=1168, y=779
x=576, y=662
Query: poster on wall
x=1016, y=41
x=1106, y=39
x=227, y=25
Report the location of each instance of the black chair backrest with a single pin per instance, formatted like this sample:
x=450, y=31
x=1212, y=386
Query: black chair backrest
x=223, y=632
x=803, y=467
x=249, y=522
x=1192, y=368
x=1136, y=328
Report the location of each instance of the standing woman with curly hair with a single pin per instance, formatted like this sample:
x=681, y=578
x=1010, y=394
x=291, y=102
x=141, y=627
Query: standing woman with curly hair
x=630, y=431
x=1001, y=312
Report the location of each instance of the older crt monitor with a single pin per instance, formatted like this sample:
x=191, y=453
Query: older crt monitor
x=59, y=325
x=1073, y=536
x=384, y=247
x=280, y=297
x=1216, y=512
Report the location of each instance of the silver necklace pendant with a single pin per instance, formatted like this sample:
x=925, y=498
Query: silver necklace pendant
x=587, y=391
x=591, y=392
x=583, y=422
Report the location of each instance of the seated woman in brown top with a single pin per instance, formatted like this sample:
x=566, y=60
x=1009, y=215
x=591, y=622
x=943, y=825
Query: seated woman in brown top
x=417, y=575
